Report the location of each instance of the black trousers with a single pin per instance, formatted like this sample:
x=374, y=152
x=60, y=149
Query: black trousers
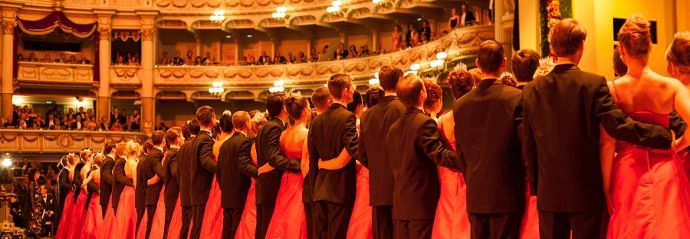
x=150, y=212
x=231, y=220
x=382, y=220
x=264, y=212
x=495, y=226
x=140, y=215
x=309, y=212
x=168, y=217
x=332, y=220
x=104, y=209
x=198, y=218
x=558, y=225
x=187, y=212
x=413, y=229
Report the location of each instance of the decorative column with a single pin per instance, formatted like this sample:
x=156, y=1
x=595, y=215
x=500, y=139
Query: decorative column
x=9, y=21
x=197, y=37
x=507, y=28
x=147, y=100
x=104, y=33
x=375, y=38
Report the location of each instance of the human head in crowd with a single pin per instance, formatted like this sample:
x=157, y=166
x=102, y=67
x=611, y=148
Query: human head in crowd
x=678, y=57
x=411, y=91
x=340, y=87
x=206, y=117
x=491, y=60
x=275, y=104
x=258, y=122
x=525, y=63
x=253, y=113
x=434, y=98
x=225, y=123
x=619, y=67
x=389, y=77
x=194, y=127
x=174, y=137
x=461, y=82
x=132, y=149
x=109, y=148
x=242, y=121
x=635, y=40
x=297, y=107
x=357, y=104
x=567, y=40
x=98, y=158
x=322, y=99
x=158, y=138
x=147, y=147
x=120, y=149
x=375, y=95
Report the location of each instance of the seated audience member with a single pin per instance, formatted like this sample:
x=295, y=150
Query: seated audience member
x=290, y=58
x=72, y=60
x=197, y=61
x=353, y=51
x=364, y=51
x=207, y=59
x=116, y=126
x=164, y=59
x=301, y=58
x=83, y=60
x=189, y=60
x=177, y=60
x=20, y=57
x=525, y=63
x=46, y=58
x=252, y=61
x=120, y=60
x=62, y=59
x=340, y=52
x=133, y=60
x=32, y=57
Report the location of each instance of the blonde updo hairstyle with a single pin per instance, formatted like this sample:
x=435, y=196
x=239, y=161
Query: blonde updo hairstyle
x=635, y=37
x=132, y=149
x=678, y=54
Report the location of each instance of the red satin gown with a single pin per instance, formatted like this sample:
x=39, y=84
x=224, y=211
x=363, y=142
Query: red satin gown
x=125, y=220
x=212, y=227
x=93, y=218
x=77, y=219
x=650, y=191
x=65, y=218
x=158, y=220
x=108, y=222
x=247, y=226
x=289, y=219
x=360, y=226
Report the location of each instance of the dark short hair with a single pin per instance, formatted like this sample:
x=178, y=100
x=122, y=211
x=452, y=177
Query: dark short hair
x=389, y=77
x=356, y=102
x=320, y=97
x=171, y=136
x=409, y=89
x=295, y=106
x=225, y=122
x=461, y=82
x=109, y=147
x=194, y=127
x=525, y=63
x=490, y=56
x=375, y=95
x=566, y=37
x=205, y=115
x=274, y=104
x=337, y=83
x=157, y=137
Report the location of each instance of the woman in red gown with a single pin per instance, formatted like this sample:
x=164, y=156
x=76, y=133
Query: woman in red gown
x=77, y=222
x=678, y=58
x=65, y=219
x=93, y=218
x=647, y=189
x=247, y=226
x=213, y=215
x=124, y=224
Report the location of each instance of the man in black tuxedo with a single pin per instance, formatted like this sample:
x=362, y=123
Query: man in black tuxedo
x=486, y=134
x=269, y=156
x=235, y=170
x=563, y=112
x=374, y=126
x=121, y=180
x=64, y=186
x=330, y=133
x=173, y=138
x=416, y=147
x=154, y=175
x=107, y=178
x=141, y=188
x=466, y=16
x=202, y=166
x=322, y=100
x=185, y=156
x=48, y=204
x=114, y=116
x=525, y=63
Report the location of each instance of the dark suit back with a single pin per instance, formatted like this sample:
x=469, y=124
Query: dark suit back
x=563, y=111
x=267, y=184
x=107, y=179
x=172, y=187
x=201, y=168
x=486, y=134
x=235, y=170
x=415, y=146
x=332, y=131
x=120, y=180
x=154, y=167
x=141, y=188
x=374, y=127
x=184, y=163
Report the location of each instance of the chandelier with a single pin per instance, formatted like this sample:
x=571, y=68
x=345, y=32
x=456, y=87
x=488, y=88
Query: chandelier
x=277, y=87
x=280, y=13
x=218, y=16
x=374, y=81
x=216, y=88
x=335, y=6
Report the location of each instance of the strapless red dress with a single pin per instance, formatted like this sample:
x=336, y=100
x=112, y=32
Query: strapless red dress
x=78, y=215
x=212, y=227
x=125, y=221
x=93, y=219
x=158, y=220
x=247, y=226
x=289, y=219
x=451, y=220
x=360, y=226
x=175, y=221
x=66, y=217
x=108, y=222
x=650, y=192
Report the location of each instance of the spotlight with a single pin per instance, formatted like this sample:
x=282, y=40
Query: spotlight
x=6, y=161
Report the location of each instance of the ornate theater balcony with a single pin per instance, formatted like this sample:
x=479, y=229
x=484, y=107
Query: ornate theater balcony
x=59, y=141
x=55, y=73
x=125, y=75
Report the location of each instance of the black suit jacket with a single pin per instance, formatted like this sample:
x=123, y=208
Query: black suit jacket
x=172, y=187
x=121, y=180
x=154, y=167
x=268, y=151
x=184, y=161
x=562, y=114
x=486, y=132
x=332, y=131
x=374, y=126
x=416, y=146
x=107, y=179
x=235, y=170
x=140, y=190
x=64, y=186
x=202, y=167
